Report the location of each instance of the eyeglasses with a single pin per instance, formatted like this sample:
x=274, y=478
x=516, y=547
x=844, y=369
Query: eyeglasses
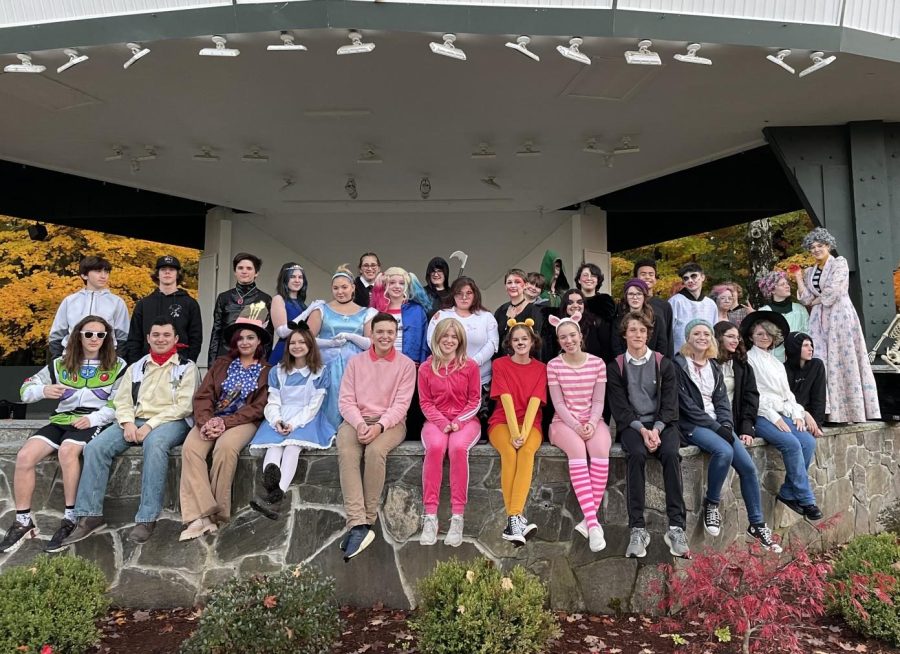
x=100, y=335
x=465, y=294
x=369, y=265
x=690, y=276
x=634, y=295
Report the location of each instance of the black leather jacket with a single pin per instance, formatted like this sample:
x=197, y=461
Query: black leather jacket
x=227, y=310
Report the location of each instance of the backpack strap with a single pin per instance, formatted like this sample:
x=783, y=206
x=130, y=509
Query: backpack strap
x=621, y=361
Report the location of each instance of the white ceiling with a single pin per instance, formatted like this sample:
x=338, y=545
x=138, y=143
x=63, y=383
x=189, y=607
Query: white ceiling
x=424, y=113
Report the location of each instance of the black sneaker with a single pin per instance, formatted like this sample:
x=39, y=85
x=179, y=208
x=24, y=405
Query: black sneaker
x=712, y=519
x=16, y=535
x=528, y=528
x=763, y=535
x=66, y=527
x=513, y=532
x=811, y=511
x=793, y=505
x=361, y=536
x=269, y=504
x=271, y=477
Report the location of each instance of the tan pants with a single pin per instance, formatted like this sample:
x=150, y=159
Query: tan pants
x=207, y=492
x=362, y=488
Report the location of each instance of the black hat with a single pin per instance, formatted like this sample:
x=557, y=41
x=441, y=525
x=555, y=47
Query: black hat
x=168, y=261
x=254, y=317
x=777, y=319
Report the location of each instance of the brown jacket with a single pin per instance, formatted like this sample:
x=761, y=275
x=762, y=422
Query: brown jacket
x=208, y=394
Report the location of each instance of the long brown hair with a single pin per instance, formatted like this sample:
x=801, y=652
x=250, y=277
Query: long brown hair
x=720, y=329
x=73, y=357
x=313, y=355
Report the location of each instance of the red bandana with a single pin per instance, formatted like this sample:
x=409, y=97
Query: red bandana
x=160, y=359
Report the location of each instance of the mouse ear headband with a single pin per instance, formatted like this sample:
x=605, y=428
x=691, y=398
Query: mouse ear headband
x=529, y=323
x=299, y=326
x=557, y=322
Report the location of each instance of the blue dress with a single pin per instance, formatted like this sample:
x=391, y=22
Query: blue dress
x=336, y=358
x=293, y=310
x=296, y=398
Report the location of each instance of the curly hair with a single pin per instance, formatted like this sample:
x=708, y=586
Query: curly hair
x=819, y=235
x=768, y=281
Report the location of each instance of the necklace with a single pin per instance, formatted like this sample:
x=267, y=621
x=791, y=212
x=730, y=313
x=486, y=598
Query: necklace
x=518, y=304
x=241, y=296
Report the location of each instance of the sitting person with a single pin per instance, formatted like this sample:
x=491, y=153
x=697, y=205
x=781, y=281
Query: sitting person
x=776, y=287
x=82, y=379
x=376, y=391
x=228, y=408
x=706, y=420
x=806, y=377
x=450, y=395
x=782, y=420
x=642, y=390
x=294, y=419
x=153, y=412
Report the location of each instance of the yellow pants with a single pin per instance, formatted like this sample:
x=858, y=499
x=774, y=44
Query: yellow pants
x=516, y=466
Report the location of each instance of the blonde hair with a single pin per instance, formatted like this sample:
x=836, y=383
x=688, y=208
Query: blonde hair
x=395, y=271
x=459, y=358
x=712, y=352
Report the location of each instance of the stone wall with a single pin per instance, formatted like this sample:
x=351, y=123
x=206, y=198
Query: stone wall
x=855, y=474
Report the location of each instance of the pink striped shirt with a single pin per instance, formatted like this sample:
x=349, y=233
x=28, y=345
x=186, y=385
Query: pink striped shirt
x=576, y=384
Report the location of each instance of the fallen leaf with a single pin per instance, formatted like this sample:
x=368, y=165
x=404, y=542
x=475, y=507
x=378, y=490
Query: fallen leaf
x=574, y=617
x=861, y=648
x=270, y=601
x=615, y=650
x=141, y=616
x=167, y=629
x=376, y=621
x=847, y=647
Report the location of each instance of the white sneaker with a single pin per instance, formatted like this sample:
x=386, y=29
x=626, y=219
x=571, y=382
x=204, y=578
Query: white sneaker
x=429, y=530
x=582, y=529
x=455, y=533
x=595, y=539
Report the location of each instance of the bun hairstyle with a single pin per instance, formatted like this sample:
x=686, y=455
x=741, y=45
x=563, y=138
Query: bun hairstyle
x=528, y=327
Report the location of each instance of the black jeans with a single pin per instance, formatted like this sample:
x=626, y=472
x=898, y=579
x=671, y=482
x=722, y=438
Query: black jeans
x=635, y=477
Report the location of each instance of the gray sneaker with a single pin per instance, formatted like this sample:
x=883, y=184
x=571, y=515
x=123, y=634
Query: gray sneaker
x=677, y=542
x=429, y=530
x=637, y=543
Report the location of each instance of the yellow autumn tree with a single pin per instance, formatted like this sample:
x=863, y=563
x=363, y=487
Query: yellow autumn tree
x=35, y=276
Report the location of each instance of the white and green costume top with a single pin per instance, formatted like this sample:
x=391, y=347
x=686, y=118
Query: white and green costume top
x=88, y=392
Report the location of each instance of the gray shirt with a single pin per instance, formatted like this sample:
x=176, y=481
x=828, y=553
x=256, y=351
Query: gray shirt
x=643, y=389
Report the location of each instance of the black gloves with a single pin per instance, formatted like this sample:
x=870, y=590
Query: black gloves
x=726, y=432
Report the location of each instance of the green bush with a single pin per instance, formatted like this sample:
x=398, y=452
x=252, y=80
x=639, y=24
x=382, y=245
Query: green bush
x=864, y=559
x=472, y=608
x=52, y=601
x=889, y=518
x=293, y=611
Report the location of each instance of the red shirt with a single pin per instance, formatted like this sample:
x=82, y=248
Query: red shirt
x=521, y=380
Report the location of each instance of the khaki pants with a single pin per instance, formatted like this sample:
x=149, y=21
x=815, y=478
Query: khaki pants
x=207, y=492
x=362, y=488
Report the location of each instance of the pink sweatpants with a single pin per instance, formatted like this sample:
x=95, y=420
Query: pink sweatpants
x=437, y=445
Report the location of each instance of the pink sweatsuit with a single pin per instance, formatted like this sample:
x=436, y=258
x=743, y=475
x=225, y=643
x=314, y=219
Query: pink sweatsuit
x=449, y=397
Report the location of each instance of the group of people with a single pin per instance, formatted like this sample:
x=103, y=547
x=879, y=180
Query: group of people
x=386, y=354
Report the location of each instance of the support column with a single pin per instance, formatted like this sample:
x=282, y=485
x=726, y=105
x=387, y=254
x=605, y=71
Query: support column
x=215, y=268
x=590, y=244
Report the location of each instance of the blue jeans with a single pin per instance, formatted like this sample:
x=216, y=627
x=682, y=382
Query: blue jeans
x=99, y=455
x=797, y=449
x=723, y=456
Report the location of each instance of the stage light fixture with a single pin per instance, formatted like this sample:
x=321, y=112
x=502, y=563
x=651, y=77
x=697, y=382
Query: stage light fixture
x=25, y=66
x=572, y=51
x=819, y=62
x=287, y=44
x=627, y=147
x=691, y=56
x=528, y=150
x=425, y=187
x=219, y=50
x=74, y=59
x=521, y=45
x=255, y=156
x=206, y=154
x=350, y=188
x=136, y=53
x=593, y=147
x=149, y=154
x=356, y=46
x=117, y=153
x=135, y=166
x=369, y=156
x=447, y=49
x=779, y=60
x=484, y=152
x=643, y=56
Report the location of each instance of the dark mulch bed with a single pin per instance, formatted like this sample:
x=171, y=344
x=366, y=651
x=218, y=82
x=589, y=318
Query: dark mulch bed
x=378, y=630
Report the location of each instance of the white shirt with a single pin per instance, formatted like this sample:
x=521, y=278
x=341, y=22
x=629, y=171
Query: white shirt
x=706, y=383
x=775, y=396
x=638, y=361
x=685, y=310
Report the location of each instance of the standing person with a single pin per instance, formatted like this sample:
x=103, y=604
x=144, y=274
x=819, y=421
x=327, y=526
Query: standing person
x=835, y=329
x=450, y=395
x=706, y=420
x=369, y=267
x=807, y=379
x=437, y=284
x=774, y=286
x=727, y=298
x=643, y=393
x=342, y=329
x=229, y=304
x=690, y=303
x=153, y=411
x=95, y=299
x=400, y=294
x=596, y=332
x=294, y=420
x=83, y=380
x=535, y=283
x=376, y=391
x=289, y=302
x=645, y=270
x=588, y=280
x=519, y=386
x=555, y=282
x=636, y=298
x=577, y=383
x=782, y=420
x=518, y=309
x=482, y=333
x=228, y=408
x=167, y=300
